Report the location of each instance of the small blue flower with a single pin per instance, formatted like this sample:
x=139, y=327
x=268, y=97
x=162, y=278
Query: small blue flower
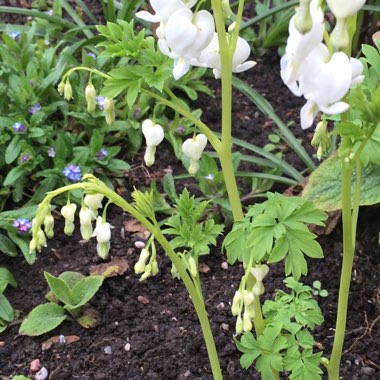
x=25, y=158
x=180, y=129
x=210, y=177
x=100, y=101
x=15, y=35
x=51, y=152
x=22, y=225
x=102, y=154
x=35, y=108
x=49, y=12
x=73, y=172
x=19, y=127
x=91, y=54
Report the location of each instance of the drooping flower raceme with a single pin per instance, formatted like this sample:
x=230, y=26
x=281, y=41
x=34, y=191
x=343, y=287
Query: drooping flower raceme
x=154, y=134
x=210, y=57
x=186, y=35
x=103, y=236
x=322, y=77
x=193, y=149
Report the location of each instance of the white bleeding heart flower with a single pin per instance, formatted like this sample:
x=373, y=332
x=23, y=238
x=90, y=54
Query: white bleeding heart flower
x=164, y=9
x=323, y=83
x=210, y=57
x=193, y=149
x=93, y=202
x=102, y=233
x=68, y=212
x=300, y=45
x=344, y=8
x=186, y=35
x=154, y=134
x=85, y=218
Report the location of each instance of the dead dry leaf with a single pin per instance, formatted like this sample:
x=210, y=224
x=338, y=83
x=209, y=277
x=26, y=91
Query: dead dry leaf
x=59, y=339
x=136, y=228
x=116, y=267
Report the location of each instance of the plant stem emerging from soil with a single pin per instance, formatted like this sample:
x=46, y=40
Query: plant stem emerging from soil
x=95, y=186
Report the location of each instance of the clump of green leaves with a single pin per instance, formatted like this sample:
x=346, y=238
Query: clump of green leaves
x=276, y=230
x=193, y=234
x=286, y=343
x=7, y=314
x=73, y=290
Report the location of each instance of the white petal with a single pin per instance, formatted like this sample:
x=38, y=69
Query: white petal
x=180, y=68
x=193, y=147
x=244, y=66
x=308, y=112
x=148, y=16
x=334, y=109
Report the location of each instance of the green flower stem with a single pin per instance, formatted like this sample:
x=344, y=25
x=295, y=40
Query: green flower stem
x=225, y=154
x=345, y=280
x=356, y=203
x=95, y=186
x=84, y=68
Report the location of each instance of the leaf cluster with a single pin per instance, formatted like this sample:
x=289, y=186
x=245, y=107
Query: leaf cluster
x=286, y=343
x=192, y=231
x=73, y=290
x=274, y=230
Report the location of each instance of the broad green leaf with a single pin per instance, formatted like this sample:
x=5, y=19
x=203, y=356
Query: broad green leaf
x=42, y=319
x=324, y=185
x=7, y=246
x=14, y=175
x=6, y=277
x=60, y=289
x=13, y=150
x=85, y=289
x=6, y=310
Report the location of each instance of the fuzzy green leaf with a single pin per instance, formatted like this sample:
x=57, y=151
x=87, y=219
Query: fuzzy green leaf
x=60, y=289
x=324, y=185
x=85, y=289
x=6, y=310
x=42, y=319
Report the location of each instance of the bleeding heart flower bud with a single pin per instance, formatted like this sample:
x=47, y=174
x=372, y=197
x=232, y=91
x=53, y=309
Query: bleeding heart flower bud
x=109, y=110
x=68, y=91
x=49, y=225
x=90, y=95
x=85, y=217
x=260, y=271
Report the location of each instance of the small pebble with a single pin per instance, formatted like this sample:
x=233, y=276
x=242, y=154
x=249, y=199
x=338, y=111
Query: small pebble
x=42, y=374
x=225, y=326
x=143, y=300
x=139, y=244
x=61, y=339
x=35, y=365
x=127, y=347
x=224, y=265
x=187, y=374
x=108, y=350
x=220, y=306
x=2, y=344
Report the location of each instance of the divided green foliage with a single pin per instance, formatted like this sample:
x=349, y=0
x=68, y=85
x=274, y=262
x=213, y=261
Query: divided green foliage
x=191, y=232
x=72, y=289
x=296, y=309
x=286, y=343
x=274, y=230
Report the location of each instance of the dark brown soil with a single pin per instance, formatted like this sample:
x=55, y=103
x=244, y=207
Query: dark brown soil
x=149, y=330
